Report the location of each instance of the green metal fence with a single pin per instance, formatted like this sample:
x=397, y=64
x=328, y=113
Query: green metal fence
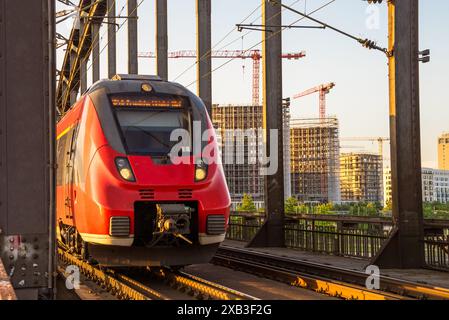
x=348, y=236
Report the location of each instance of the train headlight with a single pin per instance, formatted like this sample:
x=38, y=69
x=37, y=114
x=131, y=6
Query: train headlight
x=124, y=168
x=200, y=172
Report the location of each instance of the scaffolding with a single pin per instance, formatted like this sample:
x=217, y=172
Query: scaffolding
x=314, y=161
x=234, y=125
x=361, y=177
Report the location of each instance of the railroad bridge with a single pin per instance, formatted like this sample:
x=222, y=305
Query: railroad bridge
x=297, y=257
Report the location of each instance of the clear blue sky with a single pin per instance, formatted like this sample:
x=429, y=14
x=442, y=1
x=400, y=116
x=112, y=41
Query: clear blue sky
x=360, y=98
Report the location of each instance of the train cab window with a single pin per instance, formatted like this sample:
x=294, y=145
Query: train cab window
x=148, y=131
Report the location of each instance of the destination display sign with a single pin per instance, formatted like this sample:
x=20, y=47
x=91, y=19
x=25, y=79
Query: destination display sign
x=146, y=102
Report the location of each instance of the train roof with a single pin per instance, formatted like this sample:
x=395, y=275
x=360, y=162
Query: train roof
x=123, y=83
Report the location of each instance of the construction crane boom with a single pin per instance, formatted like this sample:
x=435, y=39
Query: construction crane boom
x=255, y=55
x=379, y=140
x=323, y=90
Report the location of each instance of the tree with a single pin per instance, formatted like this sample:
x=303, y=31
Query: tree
x=291, y=205
x=324, y=208
x=371, y=209
x=247, y=204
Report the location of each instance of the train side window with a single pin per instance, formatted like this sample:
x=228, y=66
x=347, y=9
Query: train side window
x=60, y=158
x=67, y=163
x=75, y=156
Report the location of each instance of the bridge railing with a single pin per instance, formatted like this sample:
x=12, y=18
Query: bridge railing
x=349, y=236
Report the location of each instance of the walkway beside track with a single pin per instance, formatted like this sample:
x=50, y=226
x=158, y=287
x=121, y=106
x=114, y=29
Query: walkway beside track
x=419, y=276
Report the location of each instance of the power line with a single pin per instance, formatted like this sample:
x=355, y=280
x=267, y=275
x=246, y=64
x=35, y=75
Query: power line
x=364, y=42
x=262, y=41
x=236, y=39
x=210, y=51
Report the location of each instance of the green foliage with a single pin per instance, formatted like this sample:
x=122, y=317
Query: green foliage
x=291, y=205
x=436, y=210
x=324, y=208
x=247, y=204
x=365, y=209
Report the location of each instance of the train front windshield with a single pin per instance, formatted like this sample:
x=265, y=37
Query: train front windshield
x=146, y=130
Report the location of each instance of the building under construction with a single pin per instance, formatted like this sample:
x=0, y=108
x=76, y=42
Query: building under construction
x=315, y=148
x=361, y=177
x=311, y=154
x=241, y=126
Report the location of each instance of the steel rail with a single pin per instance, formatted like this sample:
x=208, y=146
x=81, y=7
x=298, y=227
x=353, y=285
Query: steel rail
x=201, y=288
x=388, y=285
x=121, y=287
x=128, y=287
x=321, y=285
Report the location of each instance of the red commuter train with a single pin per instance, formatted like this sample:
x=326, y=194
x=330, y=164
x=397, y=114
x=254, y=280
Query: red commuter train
x=122, y=200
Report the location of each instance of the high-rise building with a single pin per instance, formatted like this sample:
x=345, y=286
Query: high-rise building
x=239, y=131
x=428, y=191
x=361, y=177
x=388, y=191
x=435, y=185
x=315, y=149
x=443, y=152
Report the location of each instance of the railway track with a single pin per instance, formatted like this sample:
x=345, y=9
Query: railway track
x=134, y=284
x=334, y=281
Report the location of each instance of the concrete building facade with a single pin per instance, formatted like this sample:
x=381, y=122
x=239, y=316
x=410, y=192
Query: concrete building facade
x=240, y=126
x=315, y=149
x=388, y=191
x=361, y=177
x=435, y=185
x=443, y=152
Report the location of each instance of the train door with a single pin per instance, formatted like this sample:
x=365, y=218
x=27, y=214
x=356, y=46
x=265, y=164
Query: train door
x=68, y=174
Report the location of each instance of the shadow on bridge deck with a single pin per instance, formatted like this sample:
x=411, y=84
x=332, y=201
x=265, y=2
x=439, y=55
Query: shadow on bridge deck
x=419, y=276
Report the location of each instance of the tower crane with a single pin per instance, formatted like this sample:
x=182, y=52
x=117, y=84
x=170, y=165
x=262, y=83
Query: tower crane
x=255, y=55
x=323, y=90
x=379, y=140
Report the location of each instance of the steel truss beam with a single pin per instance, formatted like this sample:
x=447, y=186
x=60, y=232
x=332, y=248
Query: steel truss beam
x=405, y=247
x=78, y=50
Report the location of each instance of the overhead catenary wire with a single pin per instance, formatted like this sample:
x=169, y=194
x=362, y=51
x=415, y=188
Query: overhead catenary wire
x=260, y=42
x=365, y=42
x=215, y=45
x=233, y=41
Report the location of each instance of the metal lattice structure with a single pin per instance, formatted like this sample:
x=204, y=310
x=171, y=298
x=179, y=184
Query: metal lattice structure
x=79, y=47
